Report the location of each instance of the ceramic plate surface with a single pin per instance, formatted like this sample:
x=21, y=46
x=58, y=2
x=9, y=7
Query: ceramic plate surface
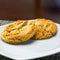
x=32, y=48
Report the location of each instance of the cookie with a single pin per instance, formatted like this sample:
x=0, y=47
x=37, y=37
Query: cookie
x=45, y=28
x=18, y=32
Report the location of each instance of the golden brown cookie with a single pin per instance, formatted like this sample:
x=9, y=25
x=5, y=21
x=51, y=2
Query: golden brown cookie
x=18, y=32
x=45, y=28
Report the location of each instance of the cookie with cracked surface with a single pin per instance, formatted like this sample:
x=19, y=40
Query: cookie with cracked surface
x=45, y=28
x=18, y=32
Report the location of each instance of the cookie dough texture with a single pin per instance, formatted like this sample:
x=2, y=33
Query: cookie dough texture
x=45, y=28
x=18, y=32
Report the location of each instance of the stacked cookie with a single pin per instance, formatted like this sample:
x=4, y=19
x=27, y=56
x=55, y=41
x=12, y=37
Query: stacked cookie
x=21, y=31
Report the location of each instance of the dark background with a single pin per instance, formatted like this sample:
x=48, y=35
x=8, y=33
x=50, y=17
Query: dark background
x=29, y=9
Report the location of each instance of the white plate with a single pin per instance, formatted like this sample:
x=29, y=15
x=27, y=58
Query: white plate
x=32, y=48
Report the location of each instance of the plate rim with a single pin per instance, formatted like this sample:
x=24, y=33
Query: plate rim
x=50, y=52
x=39, y=56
